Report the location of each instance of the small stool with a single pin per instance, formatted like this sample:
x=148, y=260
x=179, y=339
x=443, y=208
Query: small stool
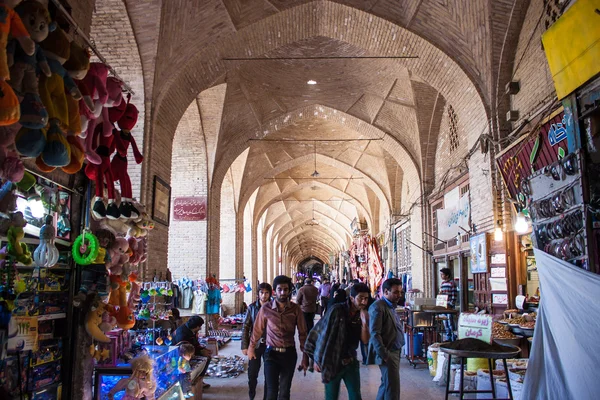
x=489, y=353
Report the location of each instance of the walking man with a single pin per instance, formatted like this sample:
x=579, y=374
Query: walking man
x=333, y=343
x=264, y=296
x=387, y=339
x=307, y=300
x=279, y=319
x=324, y=292
x=448, y=288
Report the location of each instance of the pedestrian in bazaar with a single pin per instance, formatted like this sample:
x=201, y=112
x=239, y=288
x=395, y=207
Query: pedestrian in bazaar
x=279, y=319
x=325, y=293
x=264, y=297
x=307, y=299
x=334, y=341
x=387, y=339
x=448, y=288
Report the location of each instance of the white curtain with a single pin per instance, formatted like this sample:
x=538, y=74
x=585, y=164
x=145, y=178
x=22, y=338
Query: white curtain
x=565, y=355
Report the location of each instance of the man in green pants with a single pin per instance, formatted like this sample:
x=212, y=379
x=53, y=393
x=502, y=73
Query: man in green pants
x=333, y=342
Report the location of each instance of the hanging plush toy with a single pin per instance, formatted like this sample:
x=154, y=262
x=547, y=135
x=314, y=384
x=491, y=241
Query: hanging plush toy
x=57, y=49
x=12, y=25
x=102, y=173
x=14, y=236
x=11, y=166
x=118, y=256
x=93, y=319
x=123, y=139
x=77, y=67
x=46, y=254
x=25, y=68
x=95, y=83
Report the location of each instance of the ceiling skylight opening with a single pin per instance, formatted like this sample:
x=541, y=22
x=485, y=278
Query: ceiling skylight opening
x=311, y=82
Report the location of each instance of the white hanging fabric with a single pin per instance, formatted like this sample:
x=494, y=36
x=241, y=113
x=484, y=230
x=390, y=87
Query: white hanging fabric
x=564, y=358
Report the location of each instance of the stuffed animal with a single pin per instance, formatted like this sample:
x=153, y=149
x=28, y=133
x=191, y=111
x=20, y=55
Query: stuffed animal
x=57, y=152
x=123, y=139
x=118, y=255
x=136, y=251
x=24, y=67
x=11, y=166
x=124, y=314
x=10, y=25
x=113, y=109
x=102, y=173
x=134, y=294
x=95, y=83
x=93, y=319
x=14, y=235
x=108, y=323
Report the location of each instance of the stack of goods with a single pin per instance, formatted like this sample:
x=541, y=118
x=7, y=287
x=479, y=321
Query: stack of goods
x=237, y=319
x=500, y=331
x=517, y=369
x=226, y=367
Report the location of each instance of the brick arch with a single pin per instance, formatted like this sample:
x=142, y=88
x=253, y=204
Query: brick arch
x=337, y=213
x=337, y=229
x=114, y=37
x=305, y=185
x=285, y=166
x=319, y=232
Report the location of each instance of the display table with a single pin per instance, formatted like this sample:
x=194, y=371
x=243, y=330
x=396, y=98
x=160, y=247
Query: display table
x=474, y=348
x=425, y=321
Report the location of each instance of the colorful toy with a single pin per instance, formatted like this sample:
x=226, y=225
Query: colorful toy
x=118, y=256
x=46, y=254
x=85, y=248
x=24, y=67
x=102, y=173
x=14, y=236
x=95, y=83
x=11, y=166
x=11, y=25
x=93, y=319
x=140, y=384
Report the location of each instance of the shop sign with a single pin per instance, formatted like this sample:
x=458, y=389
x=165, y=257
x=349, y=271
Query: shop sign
x=441, y=300
x=532, y=153
x=498, y=272
x=479, y=254
x=475, y=326
x=189, y=208
x=455, y=214
x=499, y=259
x=499, y=298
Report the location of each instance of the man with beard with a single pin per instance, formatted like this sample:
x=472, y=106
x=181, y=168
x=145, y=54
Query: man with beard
x=387, y=339
x=279, y=319
x=334, y=341
x=264, y=296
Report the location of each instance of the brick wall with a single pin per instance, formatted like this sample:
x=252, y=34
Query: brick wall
x=113, y=36
x=530, y=66
x=227, y=239
x=189, y=175
x=448, y=162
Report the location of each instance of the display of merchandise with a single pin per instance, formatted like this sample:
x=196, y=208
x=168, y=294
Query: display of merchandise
x=226, y=367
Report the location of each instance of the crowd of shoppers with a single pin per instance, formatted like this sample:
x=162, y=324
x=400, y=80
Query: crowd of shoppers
x=350, y=318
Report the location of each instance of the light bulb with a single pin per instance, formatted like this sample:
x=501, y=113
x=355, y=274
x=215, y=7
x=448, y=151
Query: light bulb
x=311, y=82
x=521, y=224
x=498, y=234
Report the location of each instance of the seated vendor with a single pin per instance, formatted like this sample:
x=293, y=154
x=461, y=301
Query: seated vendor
x=188, y=333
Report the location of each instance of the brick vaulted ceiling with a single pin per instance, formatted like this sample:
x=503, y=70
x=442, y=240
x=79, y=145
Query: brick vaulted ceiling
x=398, y=104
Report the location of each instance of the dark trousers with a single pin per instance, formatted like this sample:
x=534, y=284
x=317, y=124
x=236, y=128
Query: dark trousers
x=253, y=370
x=279, y=372
x=310, y=320
x=363, y=352
x=324, y=303
x=389, y=389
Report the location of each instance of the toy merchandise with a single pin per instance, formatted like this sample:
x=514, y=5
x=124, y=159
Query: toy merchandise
x=117, y=256
x=30, y=142
x=124, y=314
x=24, y=67
x=95, y=84
x=113, y=108
x=57, y=152
x=14, y=235
x=122, y=140
x=85, y=248
x=102, y=173
x=136, y=249
x=141, y=383
x=93, y=319
x=134, y=294
x=11, y=166
x=11, y=25
x=46, y=254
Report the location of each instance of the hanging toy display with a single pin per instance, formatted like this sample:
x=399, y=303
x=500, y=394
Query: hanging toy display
x=85, y=248
x=46, y=254
x=14, y=236
x=140, y=384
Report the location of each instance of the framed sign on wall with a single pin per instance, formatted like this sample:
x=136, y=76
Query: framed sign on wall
x=161, y=201
x=479, y=254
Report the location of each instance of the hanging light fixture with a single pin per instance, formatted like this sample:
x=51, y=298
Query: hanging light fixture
x=521, y=224
x=316, y=173
x=313, y=221
x=498, y=234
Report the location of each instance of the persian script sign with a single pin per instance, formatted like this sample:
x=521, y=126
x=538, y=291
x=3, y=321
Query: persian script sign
x=475, y=326
x=189, y=208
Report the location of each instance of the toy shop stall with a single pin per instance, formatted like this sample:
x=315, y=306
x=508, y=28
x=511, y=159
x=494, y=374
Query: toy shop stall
x=39, y=219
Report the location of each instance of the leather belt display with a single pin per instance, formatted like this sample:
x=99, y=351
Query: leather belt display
x=280, y=349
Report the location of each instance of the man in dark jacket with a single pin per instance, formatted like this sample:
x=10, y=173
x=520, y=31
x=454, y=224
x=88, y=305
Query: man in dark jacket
x=387, y=339
x=307, y=298
x=264, y=296
x=334, y=340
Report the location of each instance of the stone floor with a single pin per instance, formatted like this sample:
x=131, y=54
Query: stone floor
x=416, y=384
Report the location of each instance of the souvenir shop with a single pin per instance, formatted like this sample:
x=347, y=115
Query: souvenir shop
x=364, y=259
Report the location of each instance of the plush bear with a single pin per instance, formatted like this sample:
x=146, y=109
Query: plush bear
x=123, y=139
x=118, y=256
x=57, y=48
x=10, y=25
x=93, y=319
x=95, y=84
x=24, y=68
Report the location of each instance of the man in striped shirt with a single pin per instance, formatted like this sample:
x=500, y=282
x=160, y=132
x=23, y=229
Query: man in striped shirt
x=448, y=287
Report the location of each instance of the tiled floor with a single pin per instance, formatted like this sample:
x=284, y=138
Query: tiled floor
x=416, y=384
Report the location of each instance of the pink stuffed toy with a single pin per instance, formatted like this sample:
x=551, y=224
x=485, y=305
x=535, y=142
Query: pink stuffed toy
x=118, y=253
x=95, y=85
x=11, y=166
x=136, y=251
